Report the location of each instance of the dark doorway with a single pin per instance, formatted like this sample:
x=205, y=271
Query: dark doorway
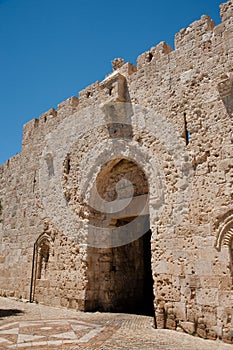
x=148, y=294
x=120, y=278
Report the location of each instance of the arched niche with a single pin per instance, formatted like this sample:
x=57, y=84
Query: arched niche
x=42, y=252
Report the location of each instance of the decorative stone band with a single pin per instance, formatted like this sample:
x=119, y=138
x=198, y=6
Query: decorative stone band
x=225, y=235
x=228, y=237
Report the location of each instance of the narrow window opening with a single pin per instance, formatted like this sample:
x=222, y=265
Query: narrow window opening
x=34, y=182
x=149, y=57
x=186, y=132
x=110, y=91
x=0, y=210
x=68, y=165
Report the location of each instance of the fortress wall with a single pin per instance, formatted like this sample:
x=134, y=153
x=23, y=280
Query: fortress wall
x=24, y=220
x=185, y=84
x=192, y=88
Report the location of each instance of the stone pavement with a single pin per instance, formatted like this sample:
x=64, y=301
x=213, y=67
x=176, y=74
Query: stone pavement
x=28, y=326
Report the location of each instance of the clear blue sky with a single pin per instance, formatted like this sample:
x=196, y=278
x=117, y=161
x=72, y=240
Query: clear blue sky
x=52, y=49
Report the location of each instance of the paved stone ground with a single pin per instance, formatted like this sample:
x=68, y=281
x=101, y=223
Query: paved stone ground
x=28, y=326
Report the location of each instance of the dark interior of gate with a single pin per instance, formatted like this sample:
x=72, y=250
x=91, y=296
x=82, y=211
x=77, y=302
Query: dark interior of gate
x=120, y=277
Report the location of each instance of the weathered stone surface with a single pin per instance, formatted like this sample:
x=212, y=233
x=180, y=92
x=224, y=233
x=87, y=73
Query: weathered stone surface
x=121, y=199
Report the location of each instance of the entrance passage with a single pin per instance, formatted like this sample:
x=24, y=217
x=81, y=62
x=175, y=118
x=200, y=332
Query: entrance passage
x=120, y=277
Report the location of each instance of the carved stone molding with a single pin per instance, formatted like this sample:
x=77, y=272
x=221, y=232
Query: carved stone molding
x=225, y=234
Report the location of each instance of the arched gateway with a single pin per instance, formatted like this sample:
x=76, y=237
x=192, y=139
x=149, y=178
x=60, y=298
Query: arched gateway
x=119, y=275
x=121, y=199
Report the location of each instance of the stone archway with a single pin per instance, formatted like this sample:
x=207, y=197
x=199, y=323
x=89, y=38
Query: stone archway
x=120, y=277
x=42, y=252
x=225, y=237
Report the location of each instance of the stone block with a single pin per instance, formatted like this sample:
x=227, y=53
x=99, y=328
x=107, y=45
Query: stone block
x=171, y=323
x=226, y=10
x=188, y=327
x=207, y=296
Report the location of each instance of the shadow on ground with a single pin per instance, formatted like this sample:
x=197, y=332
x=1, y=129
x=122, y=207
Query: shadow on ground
x=10, y=312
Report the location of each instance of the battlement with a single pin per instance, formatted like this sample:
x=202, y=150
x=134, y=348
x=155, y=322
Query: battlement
x=226, y=11
x=197, y=33
x=200, y=37
x=155, y=53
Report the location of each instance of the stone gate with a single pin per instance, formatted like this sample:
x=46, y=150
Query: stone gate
x=121, y=199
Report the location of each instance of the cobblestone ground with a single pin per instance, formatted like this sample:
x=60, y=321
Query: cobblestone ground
x=33, y=326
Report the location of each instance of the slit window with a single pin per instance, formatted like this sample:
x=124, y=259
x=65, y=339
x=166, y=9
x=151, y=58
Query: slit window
x=186, y=131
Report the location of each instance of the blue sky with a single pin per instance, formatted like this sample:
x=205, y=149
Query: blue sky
x=52, y=49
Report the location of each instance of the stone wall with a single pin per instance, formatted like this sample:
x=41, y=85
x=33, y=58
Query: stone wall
x=170, y=120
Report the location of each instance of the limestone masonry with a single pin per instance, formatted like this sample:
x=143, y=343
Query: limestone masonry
x=121, y=199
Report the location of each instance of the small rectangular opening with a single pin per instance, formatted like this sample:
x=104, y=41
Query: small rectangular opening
x=186, y=132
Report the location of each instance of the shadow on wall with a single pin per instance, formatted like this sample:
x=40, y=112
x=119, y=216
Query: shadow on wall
x=225, y=89
x=10, y=312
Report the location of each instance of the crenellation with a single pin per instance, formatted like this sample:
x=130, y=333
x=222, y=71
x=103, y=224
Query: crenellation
x=89, y=94
x=192, y=36
x=28, y=130
x=51, y=113
x=71, y=102
x=226, y=11
x=68, y=107
x=89, y=91
x=143, y=59
x=154, y=54
x=127, y=69
x=160, y=50
x=49, y=119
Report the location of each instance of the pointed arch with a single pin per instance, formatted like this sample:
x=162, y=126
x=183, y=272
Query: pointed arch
x=225, y=233
x=225, y=237
x=42, y=251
